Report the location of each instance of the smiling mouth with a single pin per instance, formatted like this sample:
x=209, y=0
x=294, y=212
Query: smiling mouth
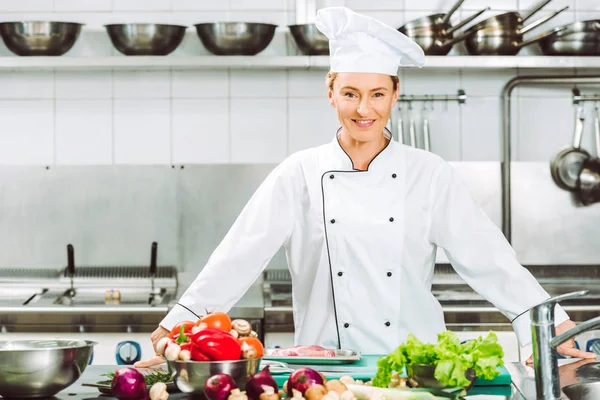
x=364, y=123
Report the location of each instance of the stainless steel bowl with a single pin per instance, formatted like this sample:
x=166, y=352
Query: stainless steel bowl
x=39, y=38
x=190, y=376
x=41, y=368
x=145, y=39
x=422, y=376
x=310, y=40
x=235, y=38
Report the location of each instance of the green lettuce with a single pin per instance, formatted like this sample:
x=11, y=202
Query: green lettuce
x=451, y=359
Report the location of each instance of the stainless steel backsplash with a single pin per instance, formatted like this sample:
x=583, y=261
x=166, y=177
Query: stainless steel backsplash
x=112, y=214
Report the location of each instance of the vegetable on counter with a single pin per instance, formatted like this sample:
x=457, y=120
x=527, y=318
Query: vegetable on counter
x=256, y=383
x=158, y=391
x=129, y=384
x=219, y=387
x=151, y=379
x=451, y=359
x=303, y=379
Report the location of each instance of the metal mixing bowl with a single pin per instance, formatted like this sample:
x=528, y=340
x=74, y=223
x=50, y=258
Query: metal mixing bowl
x=145, y=39
x=39, y=38
x=310, y=40
x=422, y=376
x=235, y=38
x=41, y=368
x=190, y=376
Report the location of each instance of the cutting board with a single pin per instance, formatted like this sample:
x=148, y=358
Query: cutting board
x=366, y=368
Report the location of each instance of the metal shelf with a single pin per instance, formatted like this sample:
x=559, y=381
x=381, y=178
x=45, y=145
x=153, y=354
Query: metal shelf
x=283, y=62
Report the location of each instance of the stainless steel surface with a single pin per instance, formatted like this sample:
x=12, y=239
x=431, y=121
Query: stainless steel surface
x=310, y=40
x=588, y=183
x=491, y=43
x=41, y=368
x=342, y=356
x=434, y=33
x=460, y=97
x=191, y=376
x=145, y=39
x=236, y=38
x=566, y=166
x=545, y=342
x=583, y=391
x=581, y=38
x=541, y=257
x=422, y=376
x=39, y=38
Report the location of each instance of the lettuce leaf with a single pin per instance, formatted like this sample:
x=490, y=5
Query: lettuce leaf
x=451, y=358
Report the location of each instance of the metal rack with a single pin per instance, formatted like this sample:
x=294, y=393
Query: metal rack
x=578, y=97
x=461, y=97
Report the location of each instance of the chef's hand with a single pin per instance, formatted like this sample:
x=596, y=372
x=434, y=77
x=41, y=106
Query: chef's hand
x=158, y=334
x=567, y=348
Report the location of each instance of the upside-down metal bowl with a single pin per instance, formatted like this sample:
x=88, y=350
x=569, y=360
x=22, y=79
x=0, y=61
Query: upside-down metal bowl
x=39, y=38
x=235, y=38
x=310, y=40
x=41, y=368
x=191, y=376
x=145, y=39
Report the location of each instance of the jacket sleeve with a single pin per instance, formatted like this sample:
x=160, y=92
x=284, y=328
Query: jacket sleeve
x=263, y=226
x=480, y=253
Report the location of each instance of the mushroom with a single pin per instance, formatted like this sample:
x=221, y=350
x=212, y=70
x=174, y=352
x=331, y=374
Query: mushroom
x=348, y=395
x=160, y=346
x=236, y=394
x=185, y=355
x=158, y=391
x=315, y=392
x=172, y=352
x=336, y=386
x=297, y=395
x=347, y=380
x=234, y=333
x=248, y=352
x=268, y=393
x=331, y=396
x=242, y=327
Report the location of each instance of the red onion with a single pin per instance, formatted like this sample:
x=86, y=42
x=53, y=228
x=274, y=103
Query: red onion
x=303, y=379
x=254, y=386
x=219, y=386
x=129, y=384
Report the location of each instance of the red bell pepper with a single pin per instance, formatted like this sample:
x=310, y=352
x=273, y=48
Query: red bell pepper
x=197, y=355
x=218, y=345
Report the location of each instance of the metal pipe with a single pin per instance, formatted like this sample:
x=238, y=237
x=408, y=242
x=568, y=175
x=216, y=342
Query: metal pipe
x=577, y=98
x=506, y=139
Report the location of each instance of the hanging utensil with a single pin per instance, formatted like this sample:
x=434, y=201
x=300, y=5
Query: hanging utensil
x=426, y=136
x=588, y=183
x=400, y=126
x=567, y=164
x=412, y=127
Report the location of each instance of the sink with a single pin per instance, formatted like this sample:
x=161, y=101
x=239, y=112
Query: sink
x=583, y=391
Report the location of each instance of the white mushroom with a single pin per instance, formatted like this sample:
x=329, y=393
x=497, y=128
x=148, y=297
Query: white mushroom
x=158, y=391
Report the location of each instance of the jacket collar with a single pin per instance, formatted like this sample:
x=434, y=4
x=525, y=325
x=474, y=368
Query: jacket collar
x=343, y=161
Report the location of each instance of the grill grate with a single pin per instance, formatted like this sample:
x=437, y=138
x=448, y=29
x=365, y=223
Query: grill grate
x=277, y=275
x=121, y=272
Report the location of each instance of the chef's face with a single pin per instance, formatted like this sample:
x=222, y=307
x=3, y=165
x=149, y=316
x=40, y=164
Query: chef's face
x=363, y=102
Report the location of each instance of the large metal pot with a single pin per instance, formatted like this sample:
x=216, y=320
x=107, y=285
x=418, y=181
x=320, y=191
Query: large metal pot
x=578, y=39
x=39, y=38
x=434, y=33
x=310, y=40
x=503, y=34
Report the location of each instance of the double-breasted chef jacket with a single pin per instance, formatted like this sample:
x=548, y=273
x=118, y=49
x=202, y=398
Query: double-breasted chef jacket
x=361, y=249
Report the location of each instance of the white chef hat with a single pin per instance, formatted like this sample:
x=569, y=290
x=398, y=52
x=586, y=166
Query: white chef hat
x=358, y=43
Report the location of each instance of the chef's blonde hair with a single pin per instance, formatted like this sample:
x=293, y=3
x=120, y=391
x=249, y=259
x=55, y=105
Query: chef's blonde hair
x=332, y=75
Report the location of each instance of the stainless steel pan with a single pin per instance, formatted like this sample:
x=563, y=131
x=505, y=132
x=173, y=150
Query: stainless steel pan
x=505, y=39
x=567, y=164
x=578, y=39
x=588, y=183
x=434, y=33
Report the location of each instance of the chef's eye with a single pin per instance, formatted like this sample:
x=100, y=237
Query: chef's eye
x=379, y=95
x=349, y=94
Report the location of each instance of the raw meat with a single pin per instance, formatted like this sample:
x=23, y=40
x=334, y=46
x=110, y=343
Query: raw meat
x=304, y=351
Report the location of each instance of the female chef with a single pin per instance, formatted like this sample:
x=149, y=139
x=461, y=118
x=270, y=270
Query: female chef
x=361, y=218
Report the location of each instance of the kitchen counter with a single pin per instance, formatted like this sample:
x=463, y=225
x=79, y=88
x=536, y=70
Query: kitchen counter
x=94, y=374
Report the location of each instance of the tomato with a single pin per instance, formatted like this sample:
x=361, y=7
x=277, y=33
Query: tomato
x=217, y=320
x=253, y=342
x=188, y=325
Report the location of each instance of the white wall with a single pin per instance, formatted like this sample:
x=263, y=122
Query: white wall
x=234, y=116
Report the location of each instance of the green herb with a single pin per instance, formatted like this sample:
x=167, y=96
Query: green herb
x=151, y=379
x=451, y=359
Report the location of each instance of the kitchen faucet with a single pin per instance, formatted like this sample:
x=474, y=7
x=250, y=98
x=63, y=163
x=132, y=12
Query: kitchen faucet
x=545, y=363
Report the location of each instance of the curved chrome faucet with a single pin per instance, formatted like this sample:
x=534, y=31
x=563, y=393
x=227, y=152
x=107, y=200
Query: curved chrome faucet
x=545, y=357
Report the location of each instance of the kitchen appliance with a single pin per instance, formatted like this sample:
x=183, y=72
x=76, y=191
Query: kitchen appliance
x=145, y=39
x=235, y=38
x=116, y=306
x=39, y=38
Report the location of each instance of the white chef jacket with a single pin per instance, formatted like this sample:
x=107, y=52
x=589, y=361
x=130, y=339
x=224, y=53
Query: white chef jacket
x=361, y=249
